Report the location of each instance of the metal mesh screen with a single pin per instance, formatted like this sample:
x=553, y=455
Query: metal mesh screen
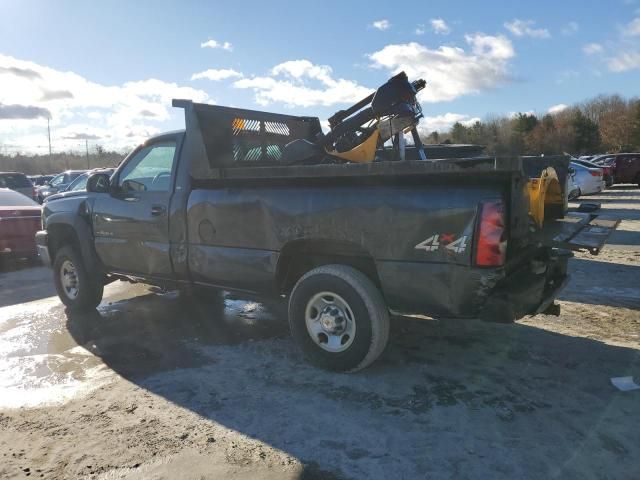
x=258, y=141
x=224, y=137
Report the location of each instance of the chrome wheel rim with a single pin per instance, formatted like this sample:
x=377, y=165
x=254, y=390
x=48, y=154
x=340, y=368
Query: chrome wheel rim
x=69, y=279
x=330, y=322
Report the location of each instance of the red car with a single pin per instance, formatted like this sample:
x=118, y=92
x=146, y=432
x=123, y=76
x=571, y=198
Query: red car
x=19, y=222
x=625, y=166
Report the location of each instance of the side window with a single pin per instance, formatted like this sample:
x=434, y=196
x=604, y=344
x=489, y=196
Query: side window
x=149, y=170
x=79, y=183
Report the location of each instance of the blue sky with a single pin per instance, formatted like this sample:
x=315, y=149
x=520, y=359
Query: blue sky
x=107, y=71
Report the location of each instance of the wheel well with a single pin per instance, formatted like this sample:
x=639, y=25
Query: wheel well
x=60, y=235
x=298, y=257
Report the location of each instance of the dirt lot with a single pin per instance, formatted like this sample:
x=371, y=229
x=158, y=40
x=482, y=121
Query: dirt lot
x=149, y=386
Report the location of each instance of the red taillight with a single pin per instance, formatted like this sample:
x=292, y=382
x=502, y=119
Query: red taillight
x=596, y=173
x=491, y=245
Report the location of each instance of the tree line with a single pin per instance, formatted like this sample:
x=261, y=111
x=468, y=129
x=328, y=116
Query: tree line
x=604, y=124
x=58, y=162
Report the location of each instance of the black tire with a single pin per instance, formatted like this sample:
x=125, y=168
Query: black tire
x=369, y=312
x=89, y=287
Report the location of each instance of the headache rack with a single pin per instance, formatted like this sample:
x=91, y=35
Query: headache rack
x=220, y=137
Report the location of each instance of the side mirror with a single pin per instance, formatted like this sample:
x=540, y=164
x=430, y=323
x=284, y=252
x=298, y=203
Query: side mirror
x=99, y=183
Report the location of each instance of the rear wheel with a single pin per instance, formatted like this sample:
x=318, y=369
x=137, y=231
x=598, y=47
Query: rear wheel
x=77, y=288
x=338, y=318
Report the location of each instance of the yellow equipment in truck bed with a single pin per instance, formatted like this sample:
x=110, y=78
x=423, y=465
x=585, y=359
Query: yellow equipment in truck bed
x=545, y=194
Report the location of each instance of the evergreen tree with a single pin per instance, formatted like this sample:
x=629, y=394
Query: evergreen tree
x=635, y=128
x=587, y=134
x=525, y=123
x=459, y=133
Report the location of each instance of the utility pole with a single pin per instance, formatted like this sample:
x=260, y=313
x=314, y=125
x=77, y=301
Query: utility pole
x=49, y=135
x=86, y=146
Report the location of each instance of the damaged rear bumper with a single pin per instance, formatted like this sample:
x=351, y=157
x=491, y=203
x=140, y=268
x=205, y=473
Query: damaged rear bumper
x=529, y=290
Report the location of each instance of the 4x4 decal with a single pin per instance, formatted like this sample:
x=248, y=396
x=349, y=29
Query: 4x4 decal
x=446, y=240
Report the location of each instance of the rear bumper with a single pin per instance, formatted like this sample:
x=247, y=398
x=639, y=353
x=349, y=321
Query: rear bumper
x=456, y=291
x=42, y=245
x=530, y=290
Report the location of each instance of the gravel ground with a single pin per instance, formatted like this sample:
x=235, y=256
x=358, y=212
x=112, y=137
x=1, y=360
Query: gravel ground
x=149, y=386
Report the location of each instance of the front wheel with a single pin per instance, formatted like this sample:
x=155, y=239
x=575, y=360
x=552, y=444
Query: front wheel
x=78, y=289
x=338, y=318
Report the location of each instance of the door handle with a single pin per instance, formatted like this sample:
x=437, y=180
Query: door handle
x=157, y=210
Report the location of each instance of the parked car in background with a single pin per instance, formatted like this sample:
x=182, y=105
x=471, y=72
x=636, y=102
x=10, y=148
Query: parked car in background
x=626, y=168
x=589, y=180
x=18, y=182
x=573, y=189
x=607, y=170
x=79, y=185
x=19, y=222
x=57, y=184
x=40, y=180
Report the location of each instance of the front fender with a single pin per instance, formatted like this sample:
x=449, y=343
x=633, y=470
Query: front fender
x=60, y=224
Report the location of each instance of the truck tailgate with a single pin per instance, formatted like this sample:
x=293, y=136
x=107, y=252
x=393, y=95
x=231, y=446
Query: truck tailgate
x=578, y=231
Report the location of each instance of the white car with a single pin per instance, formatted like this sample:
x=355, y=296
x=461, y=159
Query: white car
x=587, y=180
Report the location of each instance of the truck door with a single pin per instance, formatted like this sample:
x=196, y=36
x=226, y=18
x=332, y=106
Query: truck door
x=131, y=224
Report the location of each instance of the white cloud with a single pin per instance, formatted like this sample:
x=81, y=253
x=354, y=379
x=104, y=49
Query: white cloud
x=592, y=48
x=625, y=54
x=443, y=123
x=450, y=71
x=557, y=108
x=215, y=44
x=121, y=113
x=216, y=75
x=439, y=26
x=289, y=83
x=624, y=62
x=570, y=28
x=632, y=29
x=515, y=114
x=420, y=30
x=381, y=24
x=524, y=28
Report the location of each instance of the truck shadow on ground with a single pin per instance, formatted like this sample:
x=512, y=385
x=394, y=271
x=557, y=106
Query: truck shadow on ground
x=457, y=398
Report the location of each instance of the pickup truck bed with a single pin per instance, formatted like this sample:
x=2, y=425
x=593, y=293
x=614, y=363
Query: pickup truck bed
x=345, y=243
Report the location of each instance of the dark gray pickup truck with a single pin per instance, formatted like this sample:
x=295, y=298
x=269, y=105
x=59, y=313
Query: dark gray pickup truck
x=346, y=242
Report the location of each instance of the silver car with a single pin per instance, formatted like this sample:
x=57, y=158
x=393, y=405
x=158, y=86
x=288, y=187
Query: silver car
x=587, y=180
